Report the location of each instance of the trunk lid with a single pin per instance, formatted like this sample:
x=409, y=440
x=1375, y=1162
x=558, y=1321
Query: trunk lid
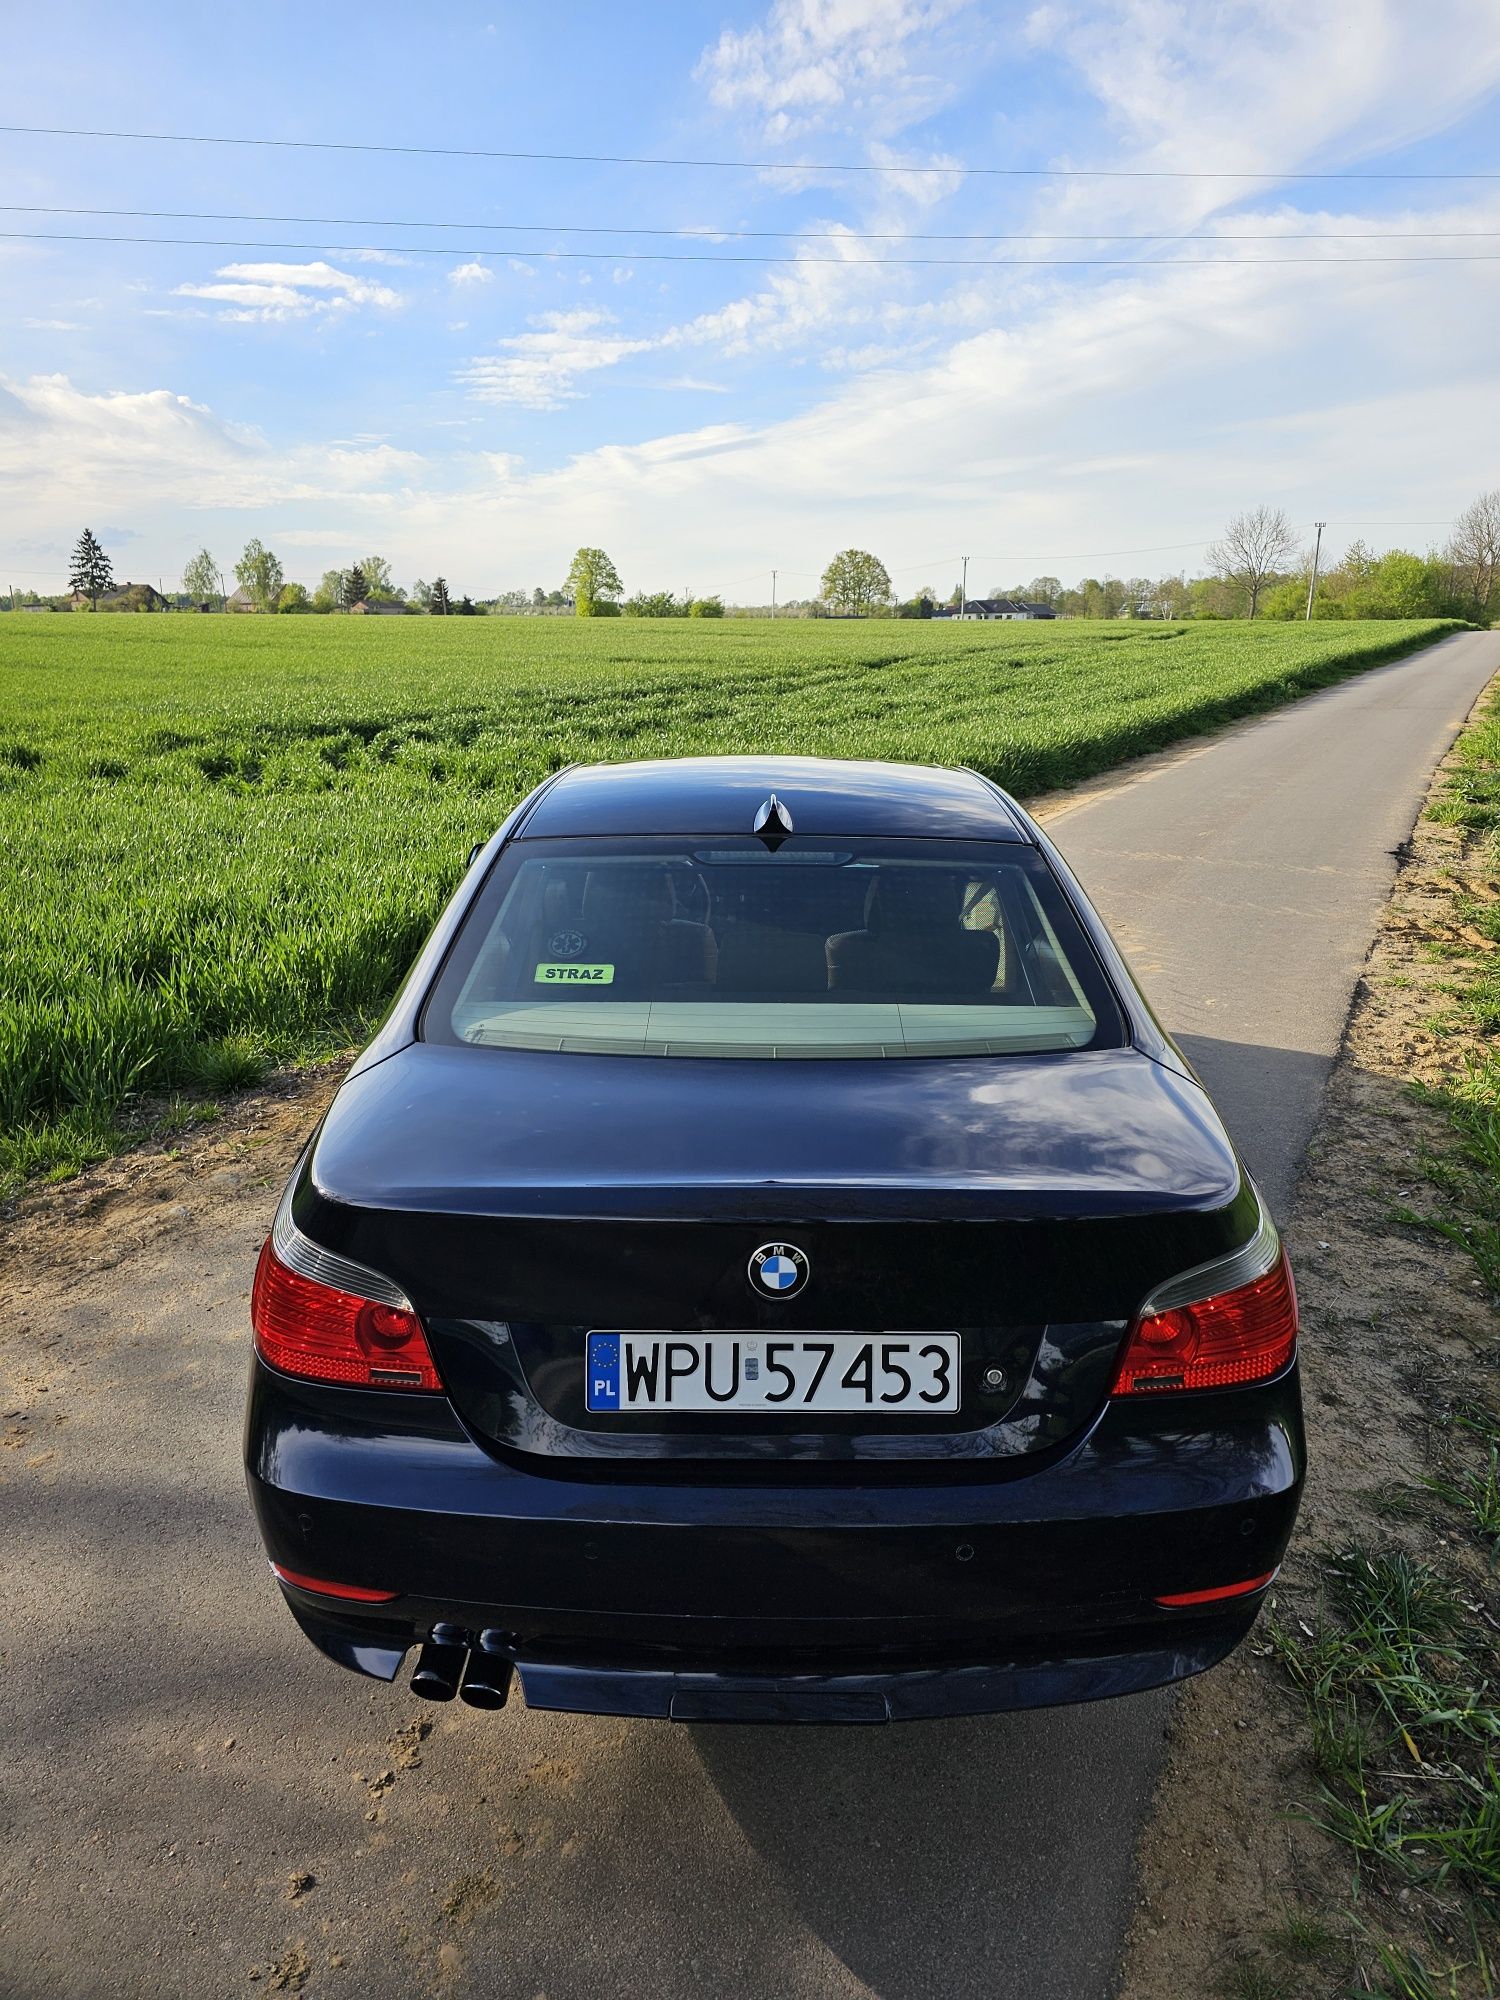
x=522, y=1199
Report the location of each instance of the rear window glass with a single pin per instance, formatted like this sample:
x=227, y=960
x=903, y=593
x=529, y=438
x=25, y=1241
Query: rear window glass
x=729, y=948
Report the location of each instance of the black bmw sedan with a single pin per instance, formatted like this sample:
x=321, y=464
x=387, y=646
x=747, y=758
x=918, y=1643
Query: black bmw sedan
x=771, y=1264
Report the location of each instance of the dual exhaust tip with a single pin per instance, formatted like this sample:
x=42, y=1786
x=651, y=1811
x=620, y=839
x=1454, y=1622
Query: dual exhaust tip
x=455, y=1662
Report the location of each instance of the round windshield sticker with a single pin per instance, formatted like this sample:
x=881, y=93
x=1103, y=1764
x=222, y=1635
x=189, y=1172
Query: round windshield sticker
x=567, y=944
x=778, y=1270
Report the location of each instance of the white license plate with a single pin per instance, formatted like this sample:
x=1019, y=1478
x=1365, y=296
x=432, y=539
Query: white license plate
x=879, y=1374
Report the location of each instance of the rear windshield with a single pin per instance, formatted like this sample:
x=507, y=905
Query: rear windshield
x=729, y=948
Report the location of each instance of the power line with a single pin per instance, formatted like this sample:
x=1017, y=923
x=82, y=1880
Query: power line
x=748, y=166
x=703, y=233
x=698, y=257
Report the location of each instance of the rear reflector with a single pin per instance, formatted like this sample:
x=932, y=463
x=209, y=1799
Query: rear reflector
x=355, y=1592
x=1219, y=1341
x=1220, y=1591
x=306, y=1327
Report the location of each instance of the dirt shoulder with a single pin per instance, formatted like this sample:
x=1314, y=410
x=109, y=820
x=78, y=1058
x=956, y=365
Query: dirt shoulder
x=1240, y=1893
x=92, y=1220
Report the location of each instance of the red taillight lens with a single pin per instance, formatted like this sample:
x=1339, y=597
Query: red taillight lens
x=1232, y=1337
x=357, y=1593
x=318, y=1331
x=1218, y=1593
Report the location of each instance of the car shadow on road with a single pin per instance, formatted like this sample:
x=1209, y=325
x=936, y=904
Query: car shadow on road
x=946, y=1858
x=1269, y=1101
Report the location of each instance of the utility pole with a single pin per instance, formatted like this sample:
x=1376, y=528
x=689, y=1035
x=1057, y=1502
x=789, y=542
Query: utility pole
x=1312, y=582
x=773, y=593
x=223, y=594
x=963, y=589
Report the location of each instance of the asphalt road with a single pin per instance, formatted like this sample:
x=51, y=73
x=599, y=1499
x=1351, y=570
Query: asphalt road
x=192, y=1802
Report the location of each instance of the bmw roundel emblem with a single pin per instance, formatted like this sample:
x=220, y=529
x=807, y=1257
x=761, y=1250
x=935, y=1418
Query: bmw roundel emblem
x=778, y=1270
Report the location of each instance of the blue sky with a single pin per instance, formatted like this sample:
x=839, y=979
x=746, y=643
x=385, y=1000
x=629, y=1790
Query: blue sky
x=460, y=401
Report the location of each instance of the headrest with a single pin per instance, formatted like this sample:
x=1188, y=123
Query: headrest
x=626, y=896
x=914, y=899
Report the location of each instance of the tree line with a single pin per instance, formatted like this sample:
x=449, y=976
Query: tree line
x=1256, y=568
x=1259, y=568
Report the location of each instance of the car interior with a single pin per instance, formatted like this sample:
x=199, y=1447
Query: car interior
x=686, y=930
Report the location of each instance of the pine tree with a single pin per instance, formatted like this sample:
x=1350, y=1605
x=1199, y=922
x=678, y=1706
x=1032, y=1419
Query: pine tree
x=355, y=587
x=92, y=573
x=439, y=605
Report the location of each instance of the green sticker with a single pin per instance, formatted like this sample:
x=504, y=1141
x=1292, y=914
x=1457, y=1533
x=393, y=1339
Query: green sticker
x=574, y=975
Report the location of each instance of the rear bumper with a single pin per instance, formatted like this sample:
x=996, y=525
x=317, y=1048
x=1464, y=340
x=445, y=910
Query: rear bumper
x=808, y=1601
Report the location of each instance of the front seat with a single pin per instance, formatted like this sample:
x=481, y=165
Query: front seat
x=914, y=945
x=628, y=917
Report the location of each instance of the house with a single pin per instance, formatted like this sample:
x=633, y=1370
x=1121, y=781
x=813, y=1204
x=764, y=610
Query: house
x=240, y=600
x=378, y=607
x=124, y=597
x=994, y=607
x=1010, y=608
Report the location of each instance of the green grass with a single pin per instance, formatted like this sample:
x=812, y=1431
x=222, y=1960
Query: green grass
x=1408, y=1975
x=1471, y=799
x=1405, y=1726
x=223, y=839
x=1468, y=1175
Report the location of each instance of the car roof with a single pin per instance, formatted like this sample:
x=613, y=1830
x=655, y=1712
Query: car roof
x=824, y=795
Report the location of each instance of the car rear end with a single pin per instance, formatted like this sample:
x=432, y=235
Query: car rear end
x=937, y=1358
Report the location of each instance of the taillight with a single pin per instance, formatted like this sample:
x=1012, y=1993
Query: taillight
x=1216, y=1327
x=334, y=1332
x=1218, y=1594
x=357, y=1593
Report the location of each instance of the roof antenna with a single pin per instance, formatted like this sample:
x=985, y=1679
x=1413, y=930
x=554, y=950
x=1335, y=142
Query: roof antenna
x=773, y=823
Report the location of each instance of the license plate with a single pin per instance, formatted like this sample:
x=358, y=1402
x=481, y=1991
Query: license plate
x=885, y=1374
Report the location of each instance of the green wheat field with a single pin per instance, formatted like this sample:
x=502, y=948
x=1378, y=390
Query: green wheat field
x=223, y=839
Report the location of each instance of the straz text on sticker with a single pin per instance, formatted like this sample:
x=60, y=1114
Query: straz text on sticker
x=574, y=975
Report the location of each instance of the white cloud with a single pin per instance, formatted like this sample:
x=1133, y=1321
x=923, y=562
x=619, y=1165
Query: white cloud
x=54, y=325
x=839, y=287
x=471, y=274
x=538, y=370
x=1246, y=83
x=122, y=451
x=274, y=291
x=838, y=283
x=871, y=61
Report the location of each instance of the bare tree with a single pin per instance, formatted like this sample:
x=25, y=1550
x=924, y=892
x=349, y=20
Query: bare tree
x=1253, y=547
x=1474, y=549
